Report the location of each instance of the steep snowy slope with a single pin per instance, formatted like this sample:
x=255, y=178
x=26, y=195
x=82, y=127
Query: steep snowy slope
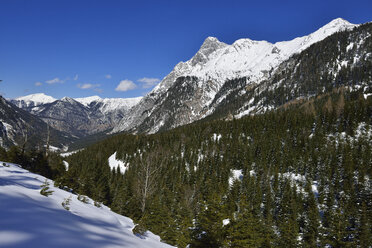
x=29, y=219
x=214, y=64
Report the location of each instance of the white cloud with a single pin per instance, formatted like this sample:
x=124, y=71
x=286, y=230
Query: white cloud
x=126, y=85
x=108, y=76
x=54, y=81
x=148, y=82
x=87, y=86
x=76, y=77
x=38, y=84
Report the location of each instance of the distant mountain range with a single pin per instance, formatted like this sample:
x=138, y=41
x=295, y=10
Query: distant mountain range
x=80, y=116
x=18, y=126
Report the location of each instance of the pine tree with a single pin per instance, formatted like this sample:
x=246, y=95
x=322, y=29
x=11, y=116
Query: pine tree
x=45, y=189
x=246, y=230
x=365, y=229
x=209, y=229
x=311, y=227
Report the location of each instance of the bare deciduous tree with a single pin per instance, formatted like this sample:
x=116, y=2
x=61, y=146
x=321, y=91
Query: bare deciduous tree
x=147, y=174
x=47, y=141
x=25, y=139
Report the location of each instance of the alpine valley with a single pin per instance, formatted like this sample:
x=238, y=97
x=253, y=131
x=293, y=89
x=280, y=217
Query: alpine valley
x=252, y=144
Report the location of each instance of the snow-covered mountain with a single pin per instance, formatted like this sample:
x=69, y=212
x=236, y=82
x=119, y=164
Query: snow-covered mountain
x=29, y=219
x=33, y=100
x=203, y=76
x=245, y=57
x=80, y=116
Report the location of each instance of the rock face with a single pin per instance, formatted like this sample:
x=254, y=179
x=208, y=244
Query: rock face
x=79, y=117
x=189, y=92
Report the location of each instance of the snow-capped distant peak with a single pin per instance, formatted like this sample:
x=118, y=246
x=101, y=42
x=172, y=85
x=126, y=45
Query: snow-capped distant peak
x=36, y=99
x=88, y=100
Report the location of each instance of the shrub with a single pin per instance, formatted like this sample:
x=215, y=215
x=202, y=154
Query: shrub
x=83, y=199
x=66, y=203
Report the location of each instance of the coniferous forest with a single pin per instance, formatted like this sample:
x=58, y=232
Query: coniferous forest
x=304, y=177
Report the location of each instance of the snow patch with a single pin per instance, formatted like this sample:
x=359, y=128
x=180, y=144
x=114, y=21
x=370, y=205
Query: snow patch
x=216, y=137
x=235, y=175
x=114, y=164
x=350, y=46
x=225, y=222
x=66, y=164
x=66, y=154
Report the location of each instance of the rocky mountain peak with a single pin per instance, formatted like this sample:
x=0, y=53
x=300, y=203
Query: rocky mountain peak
x=210, y=45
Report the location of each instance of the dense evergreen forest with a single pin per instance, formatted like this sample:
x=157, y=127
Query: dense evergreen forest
x=305, y=177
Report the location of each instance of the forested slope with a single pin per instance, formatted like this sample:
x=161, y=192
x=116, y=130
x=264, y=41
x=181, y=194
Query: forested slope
x=305, y=177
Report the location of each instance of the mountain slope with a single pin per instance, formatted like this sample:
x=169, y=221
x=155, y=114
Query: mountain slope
x=298, y=175
x=29, y=219
x=205, y=74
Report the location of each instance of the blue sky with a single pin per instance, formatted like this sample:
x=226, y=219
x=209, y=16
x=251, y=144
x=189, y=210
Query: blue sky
x=80, y=48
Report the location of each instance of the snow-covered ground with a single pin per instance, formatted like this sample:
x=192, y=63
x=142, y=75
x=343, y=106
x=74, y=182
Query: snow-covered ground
x=29, y=219
x=235, y=175
x=66, y=154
